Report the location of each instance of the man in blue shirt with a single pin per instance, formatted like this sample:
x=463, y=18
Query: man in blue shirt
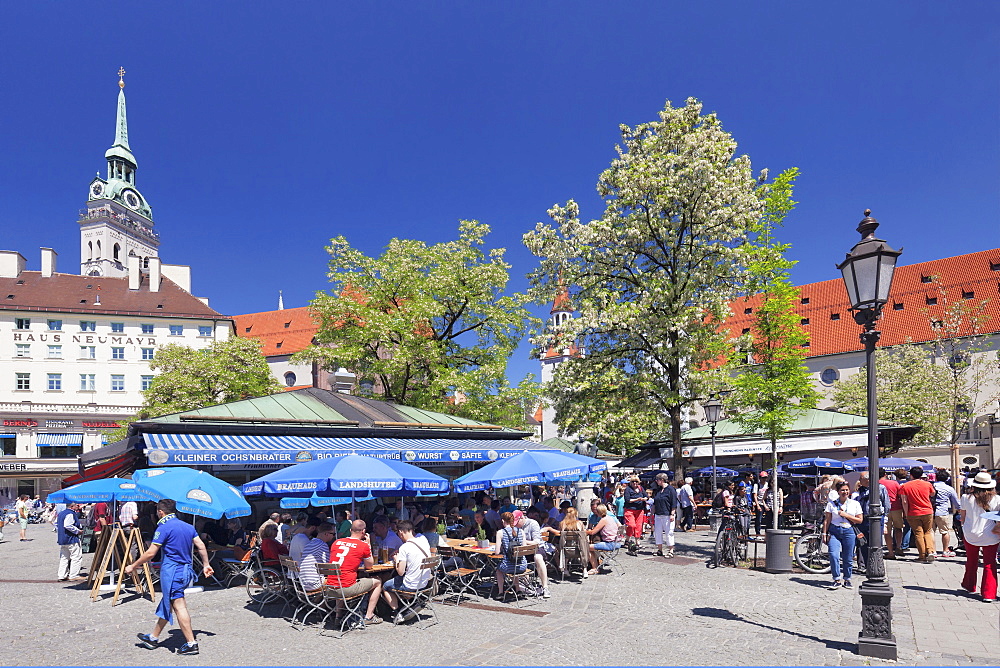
x=68, y=537
x=176, y=539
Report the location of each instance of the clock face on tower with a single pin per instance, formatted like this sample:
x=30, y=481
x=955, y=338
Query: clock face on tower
x=131, y=198
x=97, y=189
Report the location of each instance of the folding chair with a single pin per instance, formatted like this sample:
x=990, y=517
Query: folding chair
x=527, y=578
x=571, y=552
x=310, y=600
x=242, y=567
x=353, y=606
x=417, y=601
x=609, y=558
x=458, y=581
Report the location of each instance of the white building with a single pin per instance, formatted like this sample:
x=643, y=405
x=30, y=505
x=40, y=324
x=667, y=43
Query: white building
x=558, y=352
x=75, y=349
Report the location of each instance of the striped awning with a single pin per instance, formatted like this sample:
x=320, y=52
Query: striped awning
x=60, y=439
x=244, y=450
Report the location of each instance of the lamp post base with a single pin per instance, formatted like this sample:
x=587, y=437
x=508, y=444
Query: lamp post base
x=876, y=637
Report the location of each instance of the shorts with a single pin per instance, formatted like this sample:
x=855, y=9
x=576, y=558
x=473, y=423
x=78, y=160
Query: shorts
x=23, y=522
x=896, y=519
x=943, y=523
x=362, y=586
x=174, y=579
x=396, y=584
x=605, y=546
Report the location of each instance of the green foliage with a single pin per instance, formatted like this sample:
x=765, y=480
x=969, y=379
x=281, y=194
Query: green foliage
x=431, y=325
x=652, y=278
x=191, y=378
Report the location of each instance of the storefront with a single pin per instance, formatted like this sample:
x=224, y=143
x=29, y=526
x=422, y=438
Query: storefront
x=32, y=476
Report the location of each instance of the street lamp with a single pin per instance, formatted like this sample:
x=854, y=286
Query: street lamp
x=713, y=413
x=867, y=271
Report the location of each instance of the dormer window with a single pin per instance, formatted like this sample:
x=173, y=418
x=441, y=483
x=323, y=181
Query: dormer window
x=968, y=294
x=804, y=300
x=995, y=266
x=834, y=316
x=747, y=311
x=898, y=306
x=804, y=321
x=931, y=301
x=925, y=279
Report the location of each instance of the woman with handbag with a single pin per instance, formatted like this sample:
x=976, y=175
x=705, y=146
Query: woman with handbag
x=981, y=534
x=840, y=533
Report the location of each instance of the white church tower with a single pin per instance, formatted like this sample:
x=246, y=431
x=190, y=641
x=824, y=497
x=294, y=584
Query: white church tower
x=558, y=352
x=118, y=222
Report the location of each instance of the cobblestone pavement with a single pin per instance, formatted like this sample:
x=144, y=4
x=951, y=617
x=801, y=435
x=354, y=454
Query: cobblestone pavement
x=661, y=612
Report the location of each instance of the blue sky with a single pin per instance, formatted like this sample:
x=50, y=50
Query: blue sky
x=264, y=129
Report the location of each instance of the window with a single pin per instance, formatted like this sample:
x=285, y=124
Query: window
x=88, y=352
x=925, y=279
x=55, y=325
x=289, y=379
x=746, y=330
x=117, y=382
x=88, y=326
x=55, y=352
x=23, y=381
x=146, y=381
x=118, y=327
x=22, y=350
x=147, y=353
x=278, y=344
x=804, y=300
x=288, y=324
x=805, y=345
x=897, y=306
x=968, y=294
x=248, y=329
x=146, y=328
x=22, y=323
x=995, y=266
x=59, y=451
x=55, y=382
x=176, y=330
x=117, y=353
x=9, y=445
x=747, y=311
x=829, y=375
x=87, y=382
x=931, y=301
x=204, y=330
x=834, y=316
x=804, y=321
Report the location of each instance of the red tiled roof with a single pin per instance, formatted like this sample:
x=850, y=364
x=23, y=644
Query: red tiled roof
x=70, y=293
x=908, y=314
x=562, y=302
x=281, y=332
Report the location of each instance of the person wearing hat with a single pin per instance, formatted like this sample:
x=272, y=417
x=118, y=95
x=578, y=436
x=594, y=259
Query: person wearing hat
x=981, y=533
x=68, y=537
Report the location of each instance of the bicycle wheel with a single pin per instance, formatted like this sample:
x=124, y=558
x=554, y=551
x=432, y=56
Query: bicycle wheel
x=811, y=554
x=263, y=586
x=720, y=548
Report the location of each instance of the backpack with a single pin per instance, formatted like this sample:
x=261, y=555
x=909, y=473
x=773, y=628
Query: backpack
x=511, y=544
x=719, y=501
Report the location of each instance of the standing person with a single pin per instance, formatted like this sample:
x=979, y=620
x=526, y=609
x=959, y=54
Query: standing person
x=68, y=537
x=839, y=519
x=177, y=539
x=618, y=502
x=946, y=502
x=128, y=514
x=22, y=515
x=863, y=496
x=981, y=534
x=894, y=516
x=760, y=506
x=635, y=506
x=917, y=497
x=664, y=514
x=685, y=497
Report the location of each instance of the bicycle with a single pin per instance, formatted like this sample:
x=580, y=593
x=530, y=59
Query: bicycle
x=731, y=542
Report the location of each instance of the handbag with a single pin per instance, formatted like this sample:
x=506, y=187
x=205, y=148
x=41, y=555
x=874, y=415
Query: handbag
x=862, y=541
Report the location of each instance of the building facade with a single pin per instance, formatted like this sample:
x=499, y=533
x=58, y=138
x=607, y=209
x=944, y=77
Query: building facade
x=75, y=348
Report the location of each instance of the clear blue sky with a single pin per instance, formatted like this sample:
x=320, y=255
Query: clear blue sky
x=264, y=129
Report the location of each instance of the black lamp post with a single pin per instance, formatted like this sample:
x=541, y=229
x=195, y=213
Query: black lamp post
x=868, y=271
x=713, y=413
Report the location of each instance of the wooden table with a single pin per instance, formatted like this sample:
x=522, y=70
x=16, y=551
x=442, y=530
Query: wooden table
x=466, y=545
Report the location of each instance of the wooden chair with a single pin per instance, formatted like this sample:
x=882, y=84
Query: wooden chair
x=415, y=602
x=572, y=551
x=353, y=606
x=456, y=581
x=525, y=580
x=310, y=600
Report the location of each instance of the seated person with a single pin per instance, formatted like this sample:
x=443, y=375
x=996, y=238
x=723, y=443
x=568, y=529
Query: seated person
x=429, y=531
x=316, y=551
x=467, y=514
x=410, y=576
x=571, y=522
x=479, y=522
x=236, y=539
x=493, y=516
x=533, y=534
x=384, y=537
x=351, y=553
x=270, y=548
x=344, y=524
x=507, y=539
x=607, y=531
x=593, y=518
x=301, y=536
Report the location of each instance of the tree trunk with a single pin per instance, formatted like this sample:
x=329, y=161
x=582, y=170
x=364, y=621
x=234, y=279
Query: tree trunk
x=675, y=440
x=774, y=483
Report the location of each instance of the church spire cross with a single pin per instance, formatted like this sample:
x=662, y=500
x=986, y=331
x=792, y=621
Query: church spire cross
x=121, y=77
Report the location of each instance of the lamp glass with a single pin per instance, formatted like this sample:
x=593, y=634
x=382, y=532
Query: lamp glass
x=713, y=410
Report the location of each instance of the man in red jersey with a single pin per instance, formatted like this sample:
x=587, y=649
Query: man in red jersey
x=351, y=553
x=917, y=496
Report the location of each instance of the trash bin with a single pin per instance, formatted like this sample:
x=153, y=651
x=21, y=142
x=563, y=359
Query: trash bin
x=714, y=520
x=780, y=545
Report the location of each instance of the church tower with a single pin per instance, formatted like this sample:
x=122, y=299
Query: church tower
x=558, y=352
x=117, y=224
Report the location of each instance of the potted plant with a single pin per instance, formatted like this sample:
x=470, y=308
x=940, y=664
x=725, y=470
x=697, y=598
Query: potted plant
x=481, y=539
x=442, y=528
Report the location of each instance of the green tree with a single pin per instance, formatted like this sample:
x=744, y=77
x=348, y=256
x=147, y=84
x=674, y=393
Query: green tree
x=653, y=277
x=771, y=384
x=911, y=389
x=192, y=378
x=430, y=325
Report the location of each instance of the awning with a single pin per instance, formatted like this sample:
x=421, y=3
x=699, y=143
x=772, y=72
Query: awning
x=60, y=439
x=243, y=450
x=640, y=460
x=124, y=463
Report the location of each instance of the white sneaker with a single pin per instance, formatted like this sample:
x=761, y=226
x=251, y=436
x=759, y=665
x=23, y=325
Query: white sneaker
x=545, y=591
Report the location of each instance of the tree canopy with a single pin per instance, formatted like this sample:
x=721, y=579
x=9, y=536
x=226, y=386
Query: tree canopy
x=652, y=278
x=429, y=325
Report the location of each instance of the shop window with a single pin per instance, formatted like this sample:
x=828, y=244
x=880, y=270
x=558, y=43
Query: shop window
x=8, y=445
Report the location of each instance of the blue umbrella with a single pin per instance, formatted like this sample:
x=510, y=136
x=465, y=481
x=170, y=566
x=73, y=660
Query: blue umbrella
x=105, y=489
x=319, y=501
x=889, y=464
x=195, y=492
x=349, y=475
x=531, y=467
x=816, y=466
x=720, y=472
